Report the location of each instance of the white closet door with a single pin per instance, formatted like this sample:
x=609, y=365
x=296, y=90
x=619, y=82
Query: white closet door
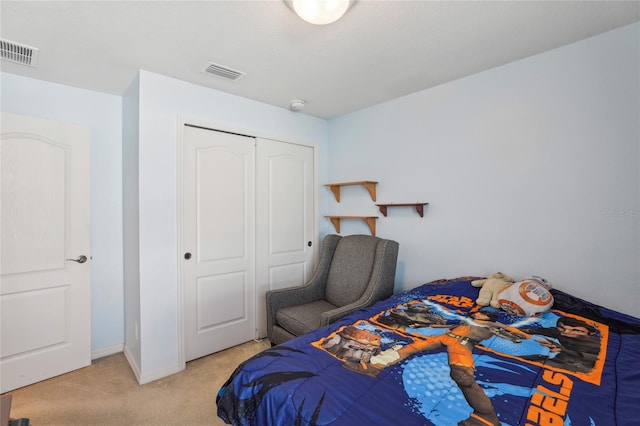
x=218, y=240
x=45, y=296
x=285, y=219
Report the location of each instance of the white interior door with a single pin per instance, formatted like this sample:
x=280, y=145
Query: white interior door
x=44, y=297
x=218, y=230
x=285, y=219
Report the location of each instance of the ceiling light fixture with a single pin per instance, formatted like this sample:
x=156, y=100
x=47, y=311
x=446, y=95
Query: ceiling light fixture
x=319, y=12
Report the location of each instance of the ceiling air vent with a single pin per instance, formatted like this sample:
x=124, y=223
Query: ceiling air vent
x=18, y=53
x=223, y=72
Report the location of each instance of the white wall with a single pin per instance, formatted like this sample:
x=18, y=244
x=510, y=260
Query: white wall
x=531, y=169
x=162, y=101
x=102, y=115
x=131, y=222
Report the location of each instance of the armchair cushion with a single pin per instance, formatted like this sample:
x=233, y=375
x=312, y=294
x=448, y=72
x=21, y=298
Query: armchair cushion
x=301, y=319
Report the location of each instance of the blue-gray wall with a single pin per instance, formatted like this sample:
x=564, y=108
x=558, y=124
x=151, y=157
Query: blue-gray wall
x=531, y=168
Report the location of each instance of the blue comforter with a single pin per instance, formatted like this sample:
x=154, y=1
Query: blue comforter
x=431, y=356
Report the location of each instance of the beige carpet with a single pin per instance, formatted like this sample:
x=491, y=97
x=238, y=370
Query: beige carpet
x=106, y=393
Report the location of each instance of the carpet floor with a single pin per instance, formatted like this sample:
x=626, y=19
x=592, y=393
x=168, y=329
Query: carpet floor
x=107, y=393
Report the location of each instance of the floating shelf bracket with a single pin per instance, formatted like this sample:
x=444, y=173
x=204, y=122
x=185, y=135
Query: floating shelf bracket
x=370, y=185
x=419, y=207
x=370, y=221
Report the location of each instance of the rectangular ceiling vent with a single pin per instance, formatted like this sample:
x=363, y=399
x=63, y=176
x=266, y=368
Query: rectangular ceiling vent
x=18, y=53
x=223, y=72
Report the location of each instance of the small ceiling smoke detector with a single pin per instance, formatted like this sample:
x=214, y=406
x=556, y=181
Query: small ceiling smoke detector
x=18, y=53
x=296, y=105
x=222, y=71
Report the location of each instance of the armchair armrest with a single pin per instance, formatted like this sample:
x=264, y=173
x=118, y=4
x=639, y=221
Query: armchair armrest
x=333, y=315
x=278, y=299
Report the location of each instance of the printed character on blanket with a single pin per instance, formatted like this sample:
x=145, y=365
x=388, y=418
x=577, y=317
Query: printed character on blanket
x=571, y=345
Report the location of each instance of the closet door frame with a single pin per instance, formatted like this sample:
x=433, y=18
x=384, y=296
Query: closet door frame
x=180, y=250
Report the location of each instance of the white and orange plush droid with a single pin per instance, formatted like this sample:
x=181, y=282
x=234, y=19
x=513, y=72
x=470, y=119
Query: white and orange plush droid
x=527, y=298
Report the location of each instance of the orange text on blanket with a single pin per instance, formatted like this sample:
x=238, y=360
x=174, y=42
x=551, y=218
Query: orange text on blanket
x=548, y=407
x=459, y=301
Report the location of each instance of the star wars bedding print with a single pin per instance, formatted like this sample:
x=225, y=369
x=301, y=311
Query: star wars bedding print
x=431, y=356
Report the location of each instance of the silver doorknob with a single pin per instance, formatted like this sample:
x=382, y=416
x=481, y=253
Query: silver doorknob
x=79, y=259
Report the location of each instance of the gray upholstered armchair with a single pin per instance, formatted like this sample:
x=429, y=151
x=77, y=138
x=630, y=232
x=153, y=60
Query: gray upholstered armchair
x=354, y=272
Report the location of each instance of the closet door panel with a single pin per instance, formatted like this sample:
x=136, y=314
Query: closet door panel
x=218, y=239
x=285, y=219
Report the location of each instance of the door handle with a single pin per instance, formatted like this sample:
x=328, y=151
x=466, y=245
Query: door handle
x=79, y=259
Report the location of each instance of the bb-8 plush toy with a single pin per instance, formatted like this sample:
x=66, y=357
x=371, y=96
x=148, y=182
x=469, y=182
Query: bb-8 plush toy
x=530, y=297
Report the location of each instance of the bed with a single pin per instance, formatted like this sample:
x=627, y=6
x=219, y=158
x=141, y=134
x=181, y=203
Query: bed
x=431, y=356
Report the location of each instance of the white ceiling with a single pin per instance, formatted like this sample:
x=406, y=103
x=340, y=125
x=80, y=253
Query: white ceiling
x=378, y=51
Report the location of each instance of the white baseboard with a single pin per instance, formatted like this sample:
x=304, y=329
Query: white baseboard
x=154, y=375
x=132, y=363
x=160, y=374
x=109, y=350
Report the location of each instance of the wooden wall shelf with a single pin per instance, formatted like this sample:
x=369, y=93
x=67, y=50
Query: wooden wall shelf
x=419, y=207
x=370, y=220
x=370, y=185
